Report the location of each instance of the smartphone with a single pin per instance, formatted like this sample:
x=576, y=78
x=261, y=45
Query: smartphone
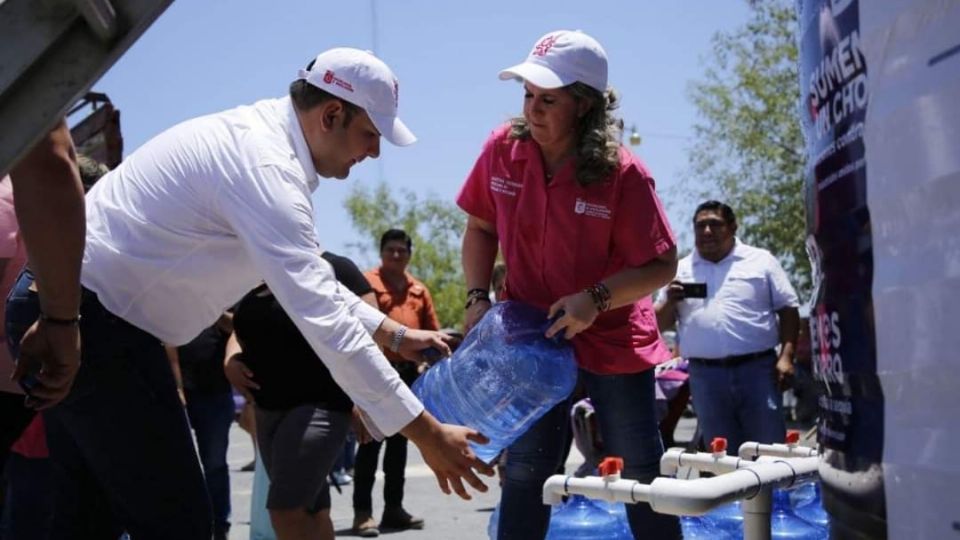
x=694, y=290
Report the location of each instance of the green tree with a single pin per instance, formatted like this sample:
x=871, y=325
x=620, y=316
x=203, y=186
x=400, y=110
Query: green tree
x=748, y=147
x=434, y=225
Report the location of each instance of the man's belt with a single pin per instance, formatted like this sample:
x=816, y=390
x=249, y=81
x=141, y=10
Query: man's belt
x=734, y=360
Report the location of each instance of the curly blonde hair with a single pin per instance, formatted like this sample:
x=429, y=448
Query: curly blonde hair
x=598, y=135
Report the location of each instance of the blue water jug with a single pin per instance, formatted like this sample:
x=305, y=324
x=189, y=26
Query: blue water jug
x=811, y=510
x=502, y=379
x=727, y=518
x=785, y=525
x=582, y=519
x=703, y=528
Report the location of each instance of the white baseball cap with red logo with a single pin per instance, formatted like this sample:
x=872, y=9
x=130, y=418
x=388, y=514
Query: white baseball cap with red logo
x=561, y=58
x=366, y=81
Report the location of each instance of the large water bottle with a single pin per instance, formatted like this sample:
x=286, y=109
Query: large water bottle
x=703, y=528
x=785, y=525
x=503, y=377
x=582, y=519
x=727, y=518
x=811, y=510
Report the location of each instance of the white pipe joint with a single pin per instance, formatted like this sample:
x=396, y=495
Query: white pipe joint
x=697, y=497
x=674, y=458
x=751, y=450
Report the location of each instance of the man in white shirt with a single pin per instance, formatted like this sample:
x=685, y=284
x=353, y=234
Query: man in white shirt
x=731, y=331
x=181, y=230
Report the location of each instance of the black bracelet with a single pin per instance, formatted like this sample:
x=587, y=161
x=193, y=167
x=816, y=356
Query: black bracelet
x=44, y=318
x=478, y=292
x=474, y=299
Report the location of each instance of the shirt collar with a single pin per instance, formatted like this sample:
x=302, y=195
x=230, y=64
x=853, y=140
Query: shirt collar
x=735, y=253
x=300, y=147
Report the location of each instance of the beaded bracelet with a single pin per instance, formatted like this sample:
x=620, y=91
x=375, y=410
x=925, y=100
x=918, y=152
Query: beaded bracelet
x=600, y=295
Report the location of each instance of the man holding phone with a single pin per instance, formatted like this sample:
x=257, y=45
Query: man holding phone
x=737, y=323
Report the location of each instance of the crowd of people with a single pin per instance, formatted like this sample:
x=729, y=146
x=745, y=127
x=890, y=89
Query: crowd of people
x=198, y=270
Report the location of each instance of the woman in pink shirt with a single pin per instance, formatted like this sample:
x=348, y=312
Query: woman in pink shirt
x=581, y=230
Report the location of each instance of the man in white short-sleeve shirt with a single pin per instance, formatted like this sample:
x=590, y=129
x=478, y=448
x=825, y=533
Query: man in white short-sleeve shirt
x=180, y=231
x=737, y=323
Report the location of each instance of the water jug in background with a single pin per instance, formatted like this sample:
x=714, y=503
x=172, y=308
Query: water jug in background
x=502, y=379
x=785, y=525
x=811, y=510
x=582, y=519
x=703, y=528
x=727, y=518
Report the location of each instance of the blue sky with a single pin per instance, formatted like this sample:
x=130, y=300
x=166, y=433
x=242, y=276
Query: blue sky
x=205, y=56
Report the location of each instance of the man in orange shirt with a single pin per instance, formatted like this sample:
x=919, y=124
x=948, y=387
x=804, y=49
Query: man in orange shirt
x=406, y=300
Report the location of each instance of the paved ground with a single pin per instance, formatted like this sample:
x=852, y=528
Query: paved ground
x=447, y=517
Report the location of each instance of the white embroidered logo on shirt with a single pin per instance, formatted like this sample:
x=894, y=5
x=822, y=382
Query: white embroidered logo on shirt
x=504, y=186
x=591, y=209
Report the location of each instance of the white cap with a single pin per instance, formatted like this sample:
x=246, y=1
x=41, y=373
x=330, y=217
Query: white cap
x=560, y=58
x=364, y=80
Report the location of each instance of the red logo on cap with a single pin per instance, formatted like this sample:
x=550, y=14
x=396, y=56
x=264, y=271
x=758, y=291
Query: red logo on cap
x=330, y=78
x=542, y=48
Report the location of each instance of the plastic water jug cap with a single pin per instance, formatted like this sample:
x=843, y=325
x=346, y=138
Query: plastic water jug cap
x=611, y=465
x=793, y=436
x=718, y=445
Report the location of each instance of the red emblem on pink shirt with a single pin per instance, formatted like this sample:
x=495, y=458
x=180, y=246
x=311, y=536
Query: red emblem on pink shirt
x=542, y=48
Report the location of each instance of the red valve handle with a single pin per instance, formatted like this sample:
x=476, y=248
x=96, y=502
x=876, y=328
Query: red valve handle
x=718, y=445
x=611, y=465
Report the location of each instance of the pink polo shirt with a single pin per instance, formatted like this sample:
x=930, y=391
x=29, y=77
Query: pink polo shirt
x=559, y=238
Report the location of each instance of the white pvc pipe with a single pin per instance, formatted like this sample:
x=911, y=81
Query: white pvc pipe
x=595, y=487
x=750, y=450
x=686, y=497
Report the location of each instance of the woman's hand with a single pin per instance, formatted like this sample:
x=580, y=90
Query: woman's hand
x=579, y=312
x=240, y=376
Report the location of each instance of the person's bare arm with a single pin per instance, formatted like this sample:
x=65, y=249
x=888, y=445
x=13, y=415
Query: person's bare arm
x=626, y=287
x=478, y=253
x=446, y=451
x=789, y=322
x=48, y=197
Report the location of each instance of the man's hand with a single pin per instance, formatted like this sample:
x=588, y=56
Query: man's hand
x=579, y=312
x=785, y=372
x=446, y=451
x=240, y=376
x=52, y=353
x=675, y=292
x=474, y=313
x=415, y=341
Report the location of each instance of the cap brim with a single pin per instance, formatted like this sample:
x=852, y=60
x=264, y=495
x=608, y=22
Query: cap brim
x=539, y=75
x=393, y=129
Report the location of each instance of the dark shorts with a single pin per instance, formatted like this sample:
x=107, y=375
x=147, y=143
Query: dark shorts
x=299, y=447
